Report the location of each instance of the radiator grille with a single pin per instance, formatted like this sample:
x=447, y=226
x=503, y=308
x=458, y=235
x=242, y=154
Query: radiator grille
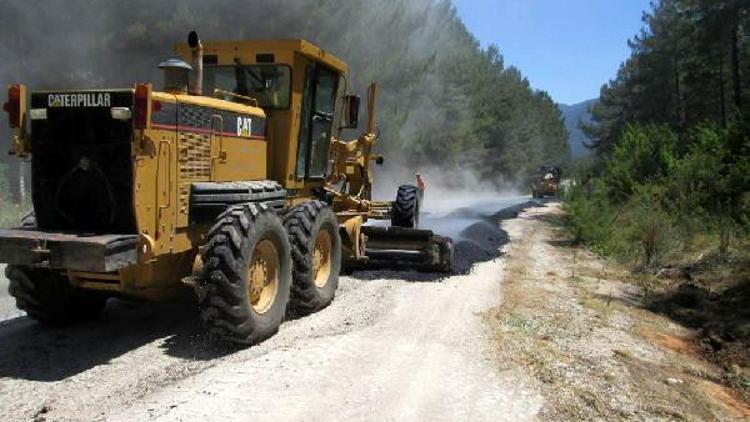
x=195, y=156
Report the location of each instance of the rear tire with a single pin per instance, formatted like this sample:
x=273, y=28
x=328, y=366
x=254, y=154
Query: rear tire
x=405, y=211
x=244, y=286
x=316, y=256
x=48, y=297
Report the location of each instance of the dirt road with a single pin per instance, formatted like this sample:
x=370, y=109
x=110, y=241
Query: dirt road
x=392, y=346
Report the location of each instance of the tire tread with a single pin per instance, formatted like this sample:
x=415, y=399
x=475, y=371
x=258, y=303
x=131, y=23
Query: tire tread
x=300, y=222
x=49, y=298
x=223, y=303
x=405, y=211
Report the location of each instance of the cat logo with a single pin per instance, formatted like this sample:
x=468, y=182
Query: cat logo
x=244, y=126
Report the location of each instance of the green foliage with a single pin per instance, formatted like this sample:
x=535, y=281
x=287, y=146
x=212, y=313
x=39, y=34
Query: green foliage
x=700, y=179
x=647, y=232
x=655, y=195
x=640, y=231
x=711, y=181
x=685, y=69
x=590, y=213
x=645, y=154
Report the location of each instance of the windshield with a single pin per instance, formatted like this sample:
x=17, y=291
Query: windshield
x=269, y=84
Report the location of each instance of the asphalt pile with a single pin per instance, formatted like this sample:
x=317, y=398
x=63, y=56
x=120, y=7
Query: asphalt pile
x=482, y=239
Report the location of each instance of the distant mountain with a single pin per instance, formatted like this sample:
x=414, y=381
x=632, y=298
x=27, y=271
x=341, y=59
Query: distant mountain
x=574, y=114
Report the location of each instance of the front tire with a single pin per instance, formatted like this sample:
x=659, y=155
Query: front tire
x=405, y=211
x=244, y=285
x=48, y=297
x=316, y=256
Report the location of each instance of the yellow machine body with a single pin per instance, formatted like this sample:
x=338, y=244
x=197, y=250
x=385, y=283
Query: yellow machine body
x=284, y=123
x=177, y=157
x=168, y=159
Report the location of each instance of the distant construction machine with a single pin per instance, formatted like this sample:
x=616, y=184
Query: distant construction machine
x=245, y=193
x=546, y=182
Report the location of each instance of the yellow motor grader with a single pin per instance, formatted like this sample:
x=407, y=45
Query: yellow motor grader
x=546, y=182
x=232, y=179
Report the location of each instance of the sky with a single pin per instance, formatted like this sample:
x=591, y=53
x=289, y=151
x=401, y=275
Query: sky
x=569, y=48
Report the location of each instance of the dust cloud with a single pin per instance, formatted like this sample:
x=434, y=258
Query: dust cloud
x=95, y=44
x=78, y=44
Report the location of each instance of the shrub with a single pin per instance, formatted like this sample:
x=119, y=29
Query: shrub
x=639, y=232
x=647, y=233
x=710, y=182
x=590, y=214
x=644, y=155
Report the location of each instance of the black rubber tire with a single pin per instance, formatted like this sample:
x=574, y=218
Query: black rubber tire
x=48, y=297
x=223, y=294
x=405, y=210
x=303, y=223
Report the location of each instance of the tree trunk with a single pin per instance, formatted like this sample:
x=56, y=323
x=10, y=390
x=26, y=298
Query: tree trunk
x=736, y=67
x=680, y=113
x=722, y=98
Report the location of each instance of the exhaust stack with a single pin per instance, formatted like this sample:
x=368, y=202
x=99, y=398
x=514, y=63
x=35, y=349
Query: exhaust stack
x=196, y=49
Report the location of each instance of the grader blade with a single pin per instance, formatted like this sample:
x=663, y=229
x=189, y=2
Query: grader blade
x=405, y=248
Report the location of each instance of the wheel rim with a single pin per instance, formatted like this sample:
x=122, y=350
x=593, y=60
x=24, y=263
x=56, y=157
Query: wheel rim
x=263, y=276
x=322, y=258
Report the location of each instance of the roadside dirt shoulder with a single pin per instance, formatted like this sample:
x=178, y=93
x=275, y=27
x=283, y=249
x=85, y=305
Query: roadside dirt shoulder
x=581, y=330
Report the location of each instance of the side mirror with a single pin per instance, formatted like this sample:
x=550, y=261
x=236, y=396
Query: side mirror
x=351, y=107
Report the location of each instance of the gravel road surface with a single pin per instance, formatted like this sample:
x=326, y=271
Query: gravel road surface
x=392, y=346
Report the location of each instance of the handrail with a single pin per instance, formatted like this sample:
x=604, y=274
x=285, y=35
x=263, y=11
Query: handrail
x=169, y=173
x=235, y=95
x=214, y=132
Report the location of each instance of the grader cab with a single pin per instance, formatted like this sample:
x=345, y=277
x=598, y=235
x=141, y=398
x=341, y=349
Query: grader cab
x=231, y=179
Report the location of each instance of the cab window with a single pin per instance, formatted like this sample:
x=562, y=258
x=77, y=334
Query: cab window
x=271, y=85
x=316, y=124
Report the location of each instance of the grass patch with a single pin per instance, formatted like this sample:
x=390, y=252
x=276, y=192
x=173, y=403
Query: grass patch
x=603, y=308
x=518, y=323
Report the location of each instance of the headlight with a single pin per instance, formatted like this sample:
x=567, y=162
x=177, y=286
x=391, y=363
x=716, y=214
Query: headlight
x=38, y=114
x=121, y=113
